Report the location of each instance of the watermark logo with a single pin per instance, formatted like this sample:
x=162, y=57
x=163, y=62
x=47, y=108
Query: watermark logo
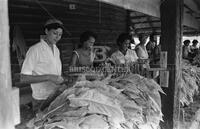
x=101, y=53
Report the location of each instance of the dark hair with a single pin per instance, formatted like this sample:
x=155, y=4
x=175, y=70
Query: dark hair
x=151, y=37
x=54, y=26
x=141, y=35
x=122, y=37
x=86, y=35
x=186, y=42
x=194, y=41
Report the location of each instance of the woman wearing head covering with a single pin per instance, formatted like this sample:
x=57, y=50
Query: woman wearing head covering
x=141, y=48
x=194, y=48
x=85, y=55
x=124, y=55
x=42, y=65
x=186, y=49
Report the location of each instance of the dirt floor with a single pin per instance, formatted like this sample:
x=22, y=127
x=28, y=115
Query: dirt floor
x=26, y=115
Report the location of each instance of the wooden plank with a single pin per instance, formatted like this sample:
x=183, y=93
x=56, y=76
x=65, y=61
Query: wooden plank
x=163, y=59
x=164, y=75
x=164, y=78
x=171, y=39
x=191, y=21
x=15, y=105
x=157, y=69
x=149, y=7
x=6, y=114
x=192, y=5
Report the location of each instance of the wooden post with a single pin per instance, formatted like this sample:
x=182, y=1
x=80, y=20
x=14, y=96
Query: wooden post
x=164, y=75
x=171, y=36
x=6, y=114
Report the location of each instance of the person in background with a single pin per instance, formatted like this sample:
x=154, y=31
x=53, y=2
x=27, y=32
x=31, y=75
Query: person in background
x=84, y=56
x=194, y=48
x=141, y=48
x=151, y=45
x=156, y=54
x=186, y=49
x=42, y=65
x=124, y=55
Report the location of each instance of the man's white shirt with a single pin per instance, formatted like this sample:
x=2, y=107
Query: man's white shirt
x=40, y=60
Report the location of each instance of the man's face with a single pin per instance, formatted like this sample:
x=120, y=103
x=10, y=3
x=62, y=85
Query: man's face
x=54, y=35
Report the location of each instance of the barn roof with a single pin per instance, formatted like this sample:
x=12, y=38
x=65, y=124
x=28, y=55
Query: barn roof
x=145, y=15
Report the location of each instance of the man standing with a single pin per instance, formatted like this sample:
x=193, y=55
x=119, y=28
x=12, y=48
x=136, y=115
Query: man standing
x=42, y=65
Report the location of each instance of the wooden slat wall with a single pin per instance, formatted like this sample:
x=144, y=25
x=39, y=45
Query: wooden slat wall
x=106, y=20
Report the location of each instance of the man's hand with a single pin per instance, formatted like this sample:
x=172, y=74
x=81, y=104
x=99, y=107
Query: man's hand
x=55, y=79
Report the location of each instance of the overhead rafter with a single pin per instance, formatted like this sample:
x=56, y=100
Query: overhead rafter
x=192, y=5
x=152, y=8
x=190, y=21
x=149, y=7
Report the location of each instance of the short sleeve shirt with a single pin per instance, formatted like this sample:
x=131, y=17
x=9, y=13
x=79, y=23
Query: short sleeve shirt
x=120, y=58
x=41, y=60
x=83, y=58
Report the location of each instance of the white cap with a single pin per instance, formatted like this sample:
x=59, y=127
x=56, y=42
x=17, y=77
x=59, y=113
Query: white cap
x=52, y=21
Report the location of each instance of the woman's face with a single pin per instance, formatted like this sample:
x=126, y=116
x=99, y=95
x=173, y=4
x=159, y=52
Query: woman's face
x=89, y=43
x=54, y=35
x=143, y=39
x=125, y=45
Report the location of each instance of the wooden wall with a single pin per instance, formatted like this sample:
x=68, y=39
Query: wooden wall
x=77, y=15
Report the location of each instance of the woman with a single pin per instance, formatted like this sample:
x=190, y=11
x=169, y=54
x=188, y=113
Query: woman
x=194, y=48
x=141, y=48
x=186, y=49
x=85, y=55
x=42, y=65
x=124, y=55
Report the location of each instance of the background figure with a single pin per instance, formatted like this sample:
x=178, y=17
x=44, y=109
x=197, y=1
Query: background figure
x=186, y=50
x=124, y=55
x=194, y=48
x=141, y=48
x=84, y=56
x=151, y=45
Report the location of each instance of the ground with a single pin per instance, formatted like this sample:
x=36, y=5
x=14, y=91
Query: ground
x=26, y=114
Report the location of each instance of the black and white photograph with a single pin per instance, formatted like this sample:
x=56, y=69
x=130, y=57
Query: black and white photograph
x=99, y=64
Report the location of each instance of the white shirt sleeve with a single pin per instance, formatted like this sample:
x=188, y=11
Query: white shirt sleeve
x=30, y=61
x=134, y=55
x=113, y=58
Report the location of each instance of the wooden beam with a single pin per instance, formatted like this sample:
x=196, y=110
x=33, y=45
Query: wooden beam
x=138, y=17
x=171, y=39
x=192, y=5
x=6, y=114
x=190, y=21
x=156, y=21
x=149, y=7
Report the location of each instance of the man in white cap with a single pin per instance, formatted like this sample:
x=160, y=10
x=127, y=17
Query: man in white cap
x=42, y=65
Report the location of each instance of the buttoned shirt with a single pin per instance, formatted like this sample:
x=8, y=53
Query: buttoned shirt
x=41, y=60
x=119, y=58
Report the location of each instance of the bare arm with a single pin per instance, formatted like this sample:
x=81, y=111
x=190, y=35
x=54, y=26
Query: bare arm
x=73, y=59
x=40, y=78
